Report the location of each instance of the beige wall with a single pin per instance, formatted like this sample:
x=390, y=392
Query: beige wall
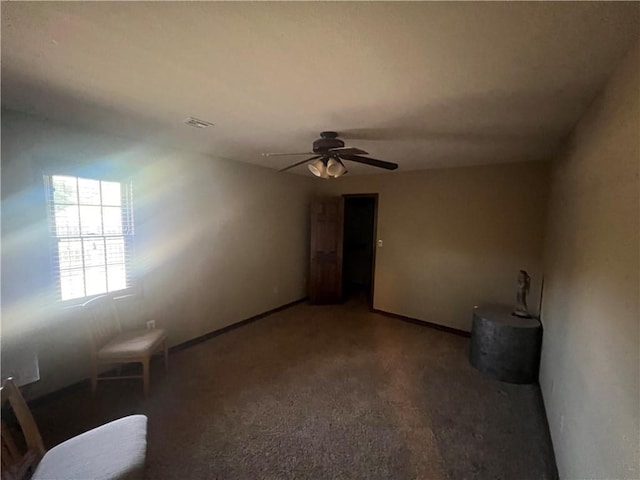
x=590, y=361
x=218, y=241
x=454, y=238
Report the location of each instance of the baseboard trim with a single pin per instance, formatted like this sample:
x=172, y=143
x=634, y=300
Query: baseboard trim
x=424, y=323
x=84, y=383
x=233, y=326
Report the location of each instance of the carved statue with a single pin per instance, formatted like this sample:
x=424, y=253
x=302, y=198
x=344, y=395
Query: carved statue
x=524, y=282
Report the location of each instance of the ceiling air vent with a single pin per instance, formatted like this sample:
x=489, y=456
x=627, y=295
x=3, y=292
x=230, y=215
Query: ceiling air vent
x=197, y=123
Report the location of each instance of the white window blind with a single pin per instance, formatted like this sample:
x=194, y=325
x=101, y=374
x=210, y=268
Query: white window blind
x=91, y=227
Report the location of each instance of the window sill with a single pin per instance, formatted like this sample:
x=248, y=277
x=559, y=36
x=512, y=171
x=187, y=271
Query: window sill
x=130, y=294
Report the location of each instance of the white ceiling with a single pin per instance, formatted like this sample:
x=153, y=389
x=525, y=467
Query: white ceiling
x=421, y=84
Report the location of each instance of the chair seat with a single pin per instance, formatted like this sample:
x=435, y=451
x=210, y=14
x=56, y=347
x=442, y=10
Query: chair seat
x=115, y=450
x=132, y=343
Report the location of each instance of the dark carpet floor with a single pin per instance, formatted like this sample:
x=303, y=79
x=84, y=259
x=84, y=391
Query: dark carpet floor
x=322, y=392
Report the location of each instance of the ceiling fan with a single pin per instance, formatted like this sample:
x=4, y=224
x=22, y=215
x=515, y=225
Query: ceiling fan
x=328, y=154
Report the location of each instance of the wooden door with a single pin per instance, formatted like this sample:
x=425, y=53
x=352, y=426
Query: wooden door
x=325, y=270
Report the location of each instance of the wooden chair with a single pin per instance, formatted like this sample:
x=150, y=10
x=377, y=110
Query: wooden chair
x=111, y=345
x=112, y=451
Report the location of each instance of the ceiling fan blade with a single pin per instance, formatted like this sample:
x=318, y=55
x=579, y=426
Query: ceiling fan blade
x=370, y=161
x=348, y=151
x=299, y=163
x=285, y=154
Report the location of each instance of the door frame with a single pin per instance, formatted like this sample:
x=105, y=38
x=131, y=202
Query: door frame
x=375, y=238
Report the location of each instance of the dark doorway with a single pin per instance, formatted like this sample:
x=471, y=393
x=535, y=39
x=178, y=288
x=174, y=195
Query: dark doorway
x=360, y=214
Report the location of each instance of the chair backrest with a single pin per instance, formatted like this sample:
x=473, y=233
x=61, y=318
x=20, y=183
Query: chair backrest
x=102, y=319
x=19, y=455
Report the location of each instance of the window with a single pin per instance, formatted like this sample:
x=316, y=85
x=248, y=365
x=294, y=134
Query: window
x=91, y=225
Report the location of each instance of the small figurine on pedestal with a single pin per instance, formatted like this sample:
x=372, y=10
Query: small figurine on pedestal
x=524, y=281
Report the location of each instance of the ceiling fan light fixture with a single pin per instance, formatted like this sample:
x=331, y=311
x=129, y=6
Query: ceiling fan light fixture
x=329, y=154
x=318, y=168
x=335, y=168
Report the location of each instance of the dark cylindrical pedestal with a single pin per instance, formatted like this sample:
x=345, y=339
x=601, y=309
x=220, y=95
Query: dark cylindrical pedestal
x=504, y=346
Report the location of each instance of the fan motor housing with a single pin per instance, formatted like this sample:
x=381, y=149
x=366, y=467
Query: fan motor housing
x=326, y=141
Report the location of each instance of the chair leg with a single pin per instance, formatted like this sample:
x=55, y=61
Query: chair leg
x=166, y=356
x=145, y=376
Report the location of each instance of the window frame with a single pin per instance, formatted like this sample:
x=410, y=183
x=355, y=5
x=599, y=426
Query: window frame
x=128, y=235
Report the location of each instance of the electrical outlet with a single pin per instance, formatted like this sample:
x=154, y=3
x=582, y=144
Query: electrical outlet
x=380, y=243
x=151, y=324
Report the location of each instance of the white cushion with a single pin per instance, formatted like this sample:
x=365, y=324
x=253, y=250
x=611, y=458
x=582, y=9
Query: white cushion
x=132, y=343
x=116, y=450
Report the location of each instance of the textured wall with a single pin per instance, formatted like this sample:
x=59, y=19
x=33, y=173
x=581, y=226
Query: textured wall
x=454, y=238
x=590, y=363
x=218, y=241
